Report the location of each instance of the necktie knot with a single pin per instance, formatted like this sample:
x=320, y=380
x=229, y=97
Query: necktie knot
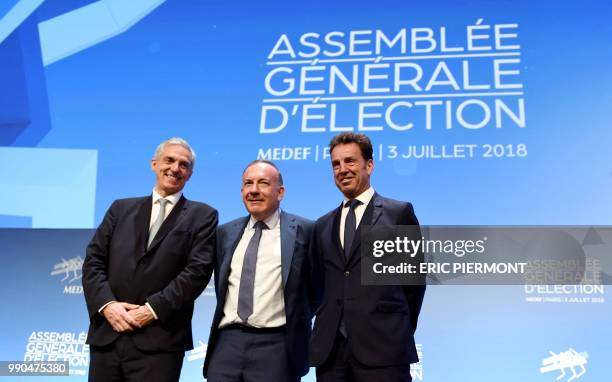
x=352, y=203
x=259, y=225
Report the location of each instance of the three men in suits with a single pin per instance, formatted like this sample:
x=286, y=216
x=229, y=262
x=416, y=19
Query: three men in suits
x=361, y=333
x=262, y=322
x=148, y=261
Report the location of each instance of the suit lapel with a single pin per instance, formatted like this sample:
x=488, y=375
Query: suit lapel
x=141, y=225
x=378, y=209
x=169, y=222
x=335, y=235
x=288, y=231
x=370, y=216
x=234, y=233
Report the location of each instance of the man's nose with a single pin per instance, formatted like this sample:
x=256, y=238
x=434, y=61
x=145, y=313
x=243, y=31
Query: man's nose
x=253, y=188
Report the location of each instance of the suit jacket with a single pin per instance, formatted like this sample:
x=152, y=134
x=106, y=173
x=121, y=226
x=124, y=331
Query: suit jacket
x=380, y=320
x=296, y=274
x=169, y=275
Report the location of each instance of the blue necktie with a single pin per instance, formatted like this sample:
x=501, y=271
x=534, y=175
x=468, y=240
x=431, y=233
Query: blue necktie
x=247, y=277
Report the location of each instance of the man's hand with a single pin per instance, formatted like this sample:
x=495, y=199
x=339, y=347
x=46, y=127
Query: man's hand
x=141, y=315
x=117, y=315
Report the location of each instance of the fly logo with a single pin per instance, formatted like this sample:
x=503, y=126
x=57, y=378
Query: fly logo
x=71, y=270
x=570, y=360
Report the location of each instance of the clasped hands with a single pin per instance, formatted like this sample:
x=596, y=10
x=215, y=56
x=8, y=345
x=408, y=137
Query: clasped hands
x=126, y=317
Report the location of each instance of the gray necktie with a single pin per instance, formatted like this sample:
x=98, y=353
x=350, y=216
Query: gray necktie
x=158, y=222
x=247, y=277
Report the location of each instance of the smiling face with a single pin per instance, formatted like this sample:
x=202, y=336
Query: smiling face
x=351, y=171
x=172, y=168
x=261, y=190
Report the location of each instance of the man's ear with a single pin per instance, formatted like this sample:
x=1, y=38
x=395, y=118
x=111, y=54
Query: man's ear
x=189, y=175
x=281, y=193
x=370, y=166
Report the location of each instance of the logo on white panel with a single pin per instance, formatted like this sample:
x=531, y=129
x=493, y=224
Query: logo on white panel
x=570, y=364
x=71, y=270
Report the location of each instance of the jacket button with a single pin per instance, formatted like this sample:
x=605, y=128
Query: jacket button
x=347, y=273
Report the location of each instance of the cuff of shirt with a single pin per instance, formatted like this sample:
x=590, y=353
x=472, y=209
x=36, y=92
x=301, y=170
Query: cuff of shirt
x=104, y=306
x=151, y=309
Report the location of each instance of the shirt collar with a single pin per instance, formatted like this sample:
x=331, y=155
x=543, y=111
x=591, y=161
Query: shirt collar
x=364, y=197
x=271, y=221
x=173, y=199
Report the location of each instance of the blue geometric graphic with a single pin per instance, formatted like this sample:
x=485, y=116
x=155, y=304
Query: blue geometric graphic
x=77, y=30
x=13, y=13
x=24, y=111
x=55, y=187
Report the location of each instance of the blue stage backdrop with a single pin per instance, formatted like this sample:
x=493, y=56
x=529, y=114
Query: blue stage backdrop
x=481, y=112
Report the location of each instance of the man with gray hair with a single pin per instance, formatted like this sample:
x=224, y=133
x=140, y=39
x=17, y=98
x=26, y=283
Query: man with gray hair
x=148, y=261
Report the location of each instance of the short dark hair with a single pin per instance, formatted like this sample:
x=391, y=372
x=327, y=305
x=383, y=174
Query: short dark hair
x=361, y=140
x=280, y=176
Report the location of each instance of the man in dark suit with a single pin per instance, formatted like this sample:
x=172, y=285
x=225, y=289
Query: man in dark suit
x=262, y=322
x=148, y=261
x=361, y=333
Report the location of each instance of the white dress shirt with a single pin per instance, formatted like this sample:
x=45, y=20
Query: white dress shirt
x=268, y=299
x=364, y=198
x=172, y=200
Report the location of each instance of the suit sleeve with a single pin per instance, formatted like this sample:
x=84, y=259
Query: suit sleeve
x=218, y=259
x=316, y=277
x=192, y=280
x=96, y=287
x=414, y=293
